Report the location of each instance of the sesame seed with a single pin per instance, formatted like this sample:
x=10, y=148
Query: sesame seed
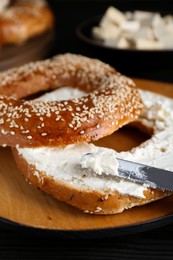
x=70, y=125
x=106, y=196
x=98, y=209
x=3, y=132
x=1, y=121
x=25, y=132
x=43, y=134
x=29, y=137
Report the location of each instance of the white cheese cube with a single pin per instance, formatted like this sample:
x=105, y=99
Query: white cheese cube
x=111, y=42
x=144, y=33
x=130, y=27
x=115, y=16
x=143, y=15
x=123, y=43
x=148, y=45
x=157, y=21
x=104, y=33
x=167, y=41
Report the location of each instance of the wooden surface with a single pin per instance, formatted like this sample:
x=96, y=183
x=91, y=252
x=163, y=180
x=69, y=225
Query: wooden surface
x=24, y=204
x=37, y=48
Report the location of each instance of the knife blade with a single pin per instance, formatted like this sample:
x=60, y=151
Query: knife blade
x=144, y=174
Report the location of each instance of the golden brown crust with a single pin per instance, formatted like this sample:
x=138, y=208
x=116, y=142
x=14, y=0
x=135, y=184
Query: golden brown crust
x=92, y=202
x=112, y=101
x=23, y=20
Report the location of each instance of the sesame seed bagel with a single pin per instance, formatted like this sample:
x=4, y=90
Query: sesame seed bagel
x=58, y=172
x=23, y=19
x=112, y=100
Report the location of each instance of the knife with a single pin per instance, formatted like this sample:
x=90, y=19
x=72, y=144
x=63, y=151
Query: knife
x=147, y=175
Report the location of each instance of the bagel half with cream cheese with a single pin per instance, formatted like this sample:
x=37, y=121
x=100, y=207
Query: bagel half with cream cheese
x=71, y=169
x=59, y=171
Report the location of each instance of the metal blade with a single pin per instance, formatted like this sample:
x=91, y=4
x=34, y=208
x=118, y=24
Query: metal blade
x=148, y=175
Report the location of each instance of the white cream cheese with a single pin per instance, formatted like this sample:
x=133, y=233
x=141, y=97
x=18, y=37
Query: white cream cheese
x=157, y=151
x=62, y=94
x=64, y=164
x=101, y=162
x=72, y=163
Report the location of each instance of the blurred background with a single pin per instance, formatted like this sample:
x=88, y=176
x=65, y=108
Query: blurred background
x=73, y=24
x=156, y=65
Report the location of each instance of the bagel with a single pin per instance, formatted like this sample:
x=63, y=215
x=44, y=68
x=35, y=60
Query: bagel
x=57, y=162
x=59, y=172
x=110, y=101
x=21, y=20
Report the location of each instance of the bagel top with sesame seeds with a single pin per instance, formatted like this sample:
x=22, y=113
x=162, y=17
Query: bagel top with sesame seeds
x=112, y=100
x=21, y=20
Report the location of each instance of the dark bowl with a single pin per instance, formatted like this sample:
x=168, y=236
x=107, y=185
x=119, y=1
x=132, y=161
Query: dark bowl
x=129, y=61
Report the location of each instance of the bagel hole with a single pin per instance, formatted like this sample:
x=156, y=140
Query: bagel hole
x=124, y=139
x=37, y=95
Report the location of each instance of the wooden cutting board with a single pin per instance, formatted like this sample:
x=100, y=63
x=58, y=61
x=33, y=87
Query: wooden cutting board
x=34, y=49
x=24, y=204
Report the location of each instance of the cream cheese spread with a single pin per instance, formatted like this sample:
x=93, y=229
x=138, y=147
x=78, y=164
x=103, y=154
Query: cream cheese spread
x=86, y=165
x=157, y=151
x=64, y=164
x=101, y=162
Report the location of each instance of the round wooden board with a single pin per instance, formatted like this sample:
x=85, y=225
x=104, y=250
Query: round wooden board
x=34, y=49
x=25, y=207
